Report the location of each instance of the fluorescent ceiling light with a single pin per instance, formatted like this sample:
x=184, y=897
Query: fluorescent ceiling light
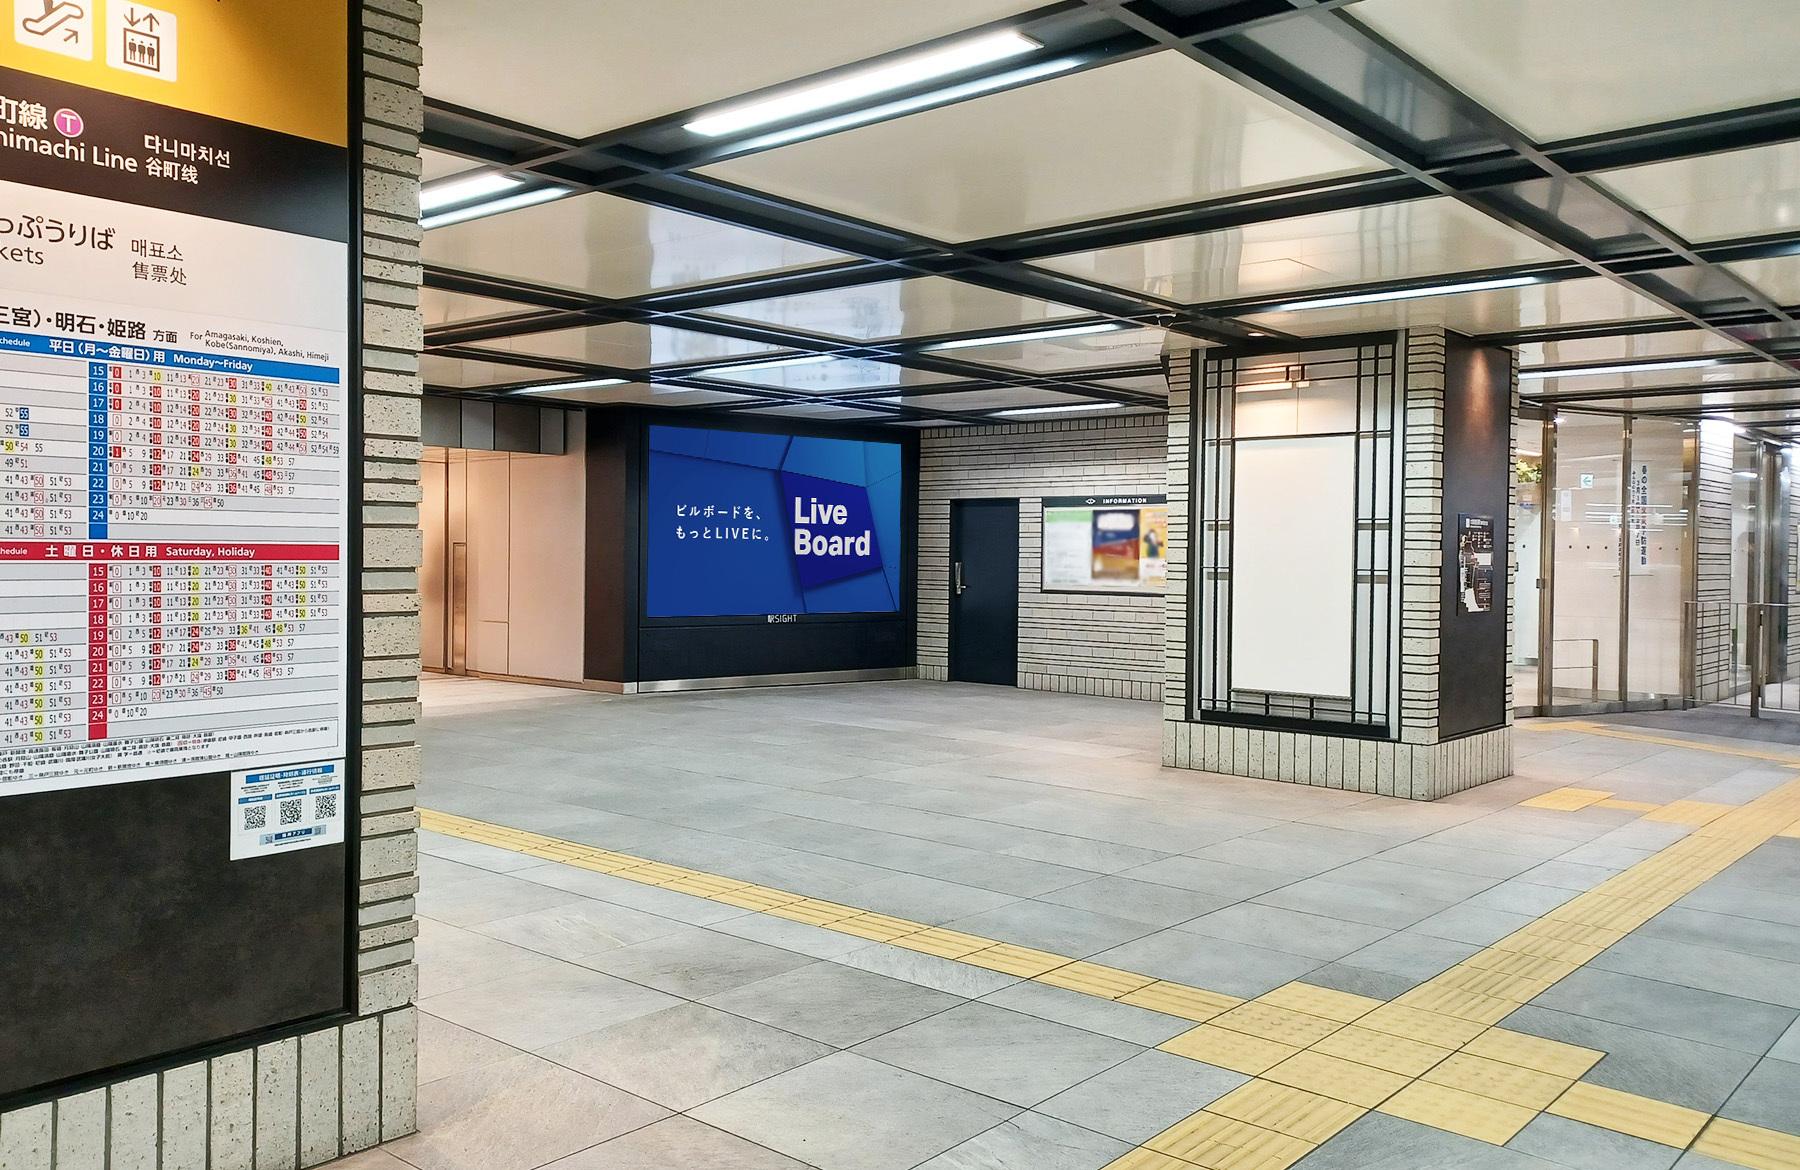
x=894, y=109
x=1437, y=290
x=1250, y=387
x=463, y=188
x=1034, y=335
x=1022, y=411
x=583, y=384
x=1623, y=368
x=865, y=83
x=772, y=364
x=494, y=206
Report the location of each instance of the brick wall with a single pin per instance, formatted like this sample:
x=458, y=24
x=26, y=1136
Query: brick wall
x=1075, y=643
x=309, y=1099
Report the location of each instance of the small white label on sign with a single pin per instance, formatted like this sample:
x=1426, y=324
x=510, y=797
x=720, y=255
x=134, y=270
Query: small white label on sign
x=278, y=810
x=140, y=39
x=1587, y=479
x=56, y=26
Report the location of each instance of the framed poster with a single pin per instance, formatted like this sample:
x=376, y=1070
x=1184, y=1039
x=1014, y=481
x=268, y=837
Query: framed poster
x=1474, y=563
x=1106, y=544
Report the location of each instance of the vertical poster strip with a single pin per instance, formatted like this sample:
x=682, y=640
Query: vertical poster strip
x=176, y=594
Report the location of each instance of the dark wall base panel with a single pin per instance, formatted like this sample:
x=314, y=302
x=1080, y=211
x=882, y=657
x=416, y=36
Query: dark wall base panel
x=772, y=648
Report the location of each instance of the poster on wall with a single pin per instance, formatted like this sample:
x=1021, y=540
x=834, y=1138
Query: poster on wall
x=1475, y=563
x=1106, y=544
x=175, y=339
x=748, y=524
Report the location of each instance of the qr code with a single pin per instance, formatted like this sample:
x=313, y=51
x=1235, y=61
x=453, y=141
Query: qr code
x=256, y=816
x=325, y=806
x=290, y=812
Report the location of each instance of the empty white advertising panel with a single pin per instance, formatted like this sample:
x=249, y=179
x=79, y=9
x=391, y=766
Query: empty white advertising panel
x=1293, y=562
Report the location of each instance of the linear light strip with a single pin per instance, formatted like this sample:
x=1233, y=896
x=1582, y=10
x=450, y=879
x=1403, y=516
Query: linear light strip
x=1023, y=411
x=583, y=384
x=1437, y=290
x=1621, y=368
x=494, y=206
x=1030, y=335
x=865, y=83
x=811, y=359
x=463, y=188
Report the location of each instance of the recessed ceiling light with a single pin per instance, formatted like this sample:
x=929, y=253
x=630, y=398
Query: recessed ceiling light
x=582, y=384
x=463, y=188
x=1022, y=411
x=772, y=364
x=1406, y=294
x=494, y=206
x=1033, y=335
x=865, y=83
x=1620, y=368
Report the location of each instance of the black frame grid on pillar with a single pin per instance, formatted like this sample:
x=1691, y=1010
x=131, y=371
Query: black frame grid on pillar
x=142, y=930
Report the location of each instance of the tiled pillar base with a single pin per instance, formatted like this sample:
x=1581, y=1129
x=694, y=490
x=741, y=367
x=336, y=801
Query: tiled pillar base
x=1384, y=768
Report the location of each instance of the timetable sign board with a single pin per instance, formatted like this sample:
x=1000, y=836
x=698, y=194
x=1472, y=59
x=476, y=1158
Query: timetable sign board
x=175, y=414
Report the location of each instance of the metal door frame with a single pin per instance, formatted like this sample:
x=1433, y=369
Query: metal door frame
x=954, y=586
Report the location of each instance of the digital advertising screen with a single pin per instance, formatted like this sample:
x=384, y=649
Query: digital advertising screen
x=744, y=524
x=1106, y=544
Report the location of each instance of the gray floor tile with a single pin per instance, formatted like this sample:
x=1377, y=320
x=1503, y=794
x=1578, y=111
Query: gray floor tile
x=1002, y=1054
x=1209, y=877
x=1708, y=968
x=580, y=928
x=1390, y=907
x=927, y=899
x=1517, y=896
x=802, y=938
x=546, y=1005
x=696, y=963
x=1292, y=931
x=1030, y=1141
x=1588, y=1147
x=483, y=899
x=1147, y=902
x=1215, y=964
x=1379, y=1142
x=1062, y=930
x=1480, y=862
x=847, y=1112
x=1706, y=1016
x=1090, y=1013
x=1668, y=1068
x=376, y=1159
x=1751, y=936
x=960, y=979
x=451, y=958
x=677, y=1143
x=1766, y=905
x=683, y=908
x=1788, y=1047
x=1472, y=924
x=1411, y=955
x=1360, y=981
x=838, y=1005
x=685, y=1055
x=516, y=1115
x=1139, y=1099
x=446, y=1049
x=1769, y=1097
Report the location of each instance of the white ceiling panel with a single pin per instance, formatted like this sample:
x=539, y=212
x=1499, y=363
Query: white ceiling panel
x=468, y=374
x=837, y=376
x=578, y=67
x=442, y=308
x=630, y=345
x=891, y=309
x=1718, y=196
x=1626, y=347
x=1426, y=237
x=1144, y=133
x=612, y=247
x=1778, y=276
x=1647, y=379
x=824, y=410
x=1055, y=355
x=1563, y=68
x=435, y=164
x=638, y=394
x=1001, y=398
x=1564, y=302
x=1145, y=384
x=1711, y=398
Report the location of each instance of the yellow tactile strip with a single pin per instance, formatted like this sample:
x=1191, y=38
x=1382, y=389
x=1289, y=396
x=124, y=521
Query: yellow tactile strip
x=1322, y=1058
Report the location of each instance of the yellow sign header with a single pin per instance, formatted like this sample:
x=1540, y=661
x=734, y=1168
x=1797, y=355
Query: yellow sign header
x=279, y=65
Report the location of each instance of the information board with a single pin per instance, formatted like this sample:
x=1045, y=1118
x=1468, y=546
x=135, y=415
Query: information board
x=1106, y=544
x=173, y=443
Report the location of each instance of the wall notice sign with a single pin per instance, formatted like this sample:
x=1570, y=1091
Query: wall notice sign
x=277, y=810
x=174, y=347
x=1106, y=544
x=1475, y=564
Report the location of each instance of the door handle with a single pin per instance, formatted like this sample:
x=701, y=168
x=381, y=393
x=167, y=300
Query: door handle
x=960, y=586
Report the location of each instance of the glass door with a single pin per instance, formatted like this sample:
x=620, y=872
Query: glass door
x=1587, y=601
x=1528, y=531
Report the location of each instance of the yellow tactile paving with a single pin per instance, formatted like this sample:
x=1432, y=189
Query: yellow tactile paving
x=1178, y=999
x=814, y=911
x=1628, y=805
x=1327, y=1002
x=1566, y=799
x=946, y=944
x=1144, y=1158
x=879, y=927
x=1394, y=1054
x=1311, y=1117
x=1282, y=1025
x=1094, y=979
x=1628, y=1113
x=1689, y=812
x=1337, y=1078
x=1215, y=1142
x=1511, y=1083
x=1473, y=1116
x=1491, y=983
x=1534, y=1052
x=756, y=897
x=1528, y=966
x=1445, y=999
x=1749, y=1145
x=1412, y=1023
x=1021, y=961
x=1237, y=1051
